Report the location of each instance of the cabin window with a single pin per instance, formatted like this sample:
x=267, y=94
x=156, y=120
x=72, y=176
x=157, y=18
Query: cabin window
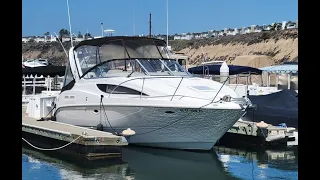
x=88, y=57
x=113, y=50
x=165, y=52
x=68, y=77
x=108, y=88
x=182, y=62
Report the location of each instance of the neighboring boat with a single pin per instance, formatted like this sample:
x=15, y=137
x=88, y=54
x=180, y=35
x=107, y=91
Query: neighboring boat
x=274, y=105
x=275, y=108
x=236, y=73
x=45, y=71
x=213, y=68
x=120, y=82
x=36, y=63
x=278, y=104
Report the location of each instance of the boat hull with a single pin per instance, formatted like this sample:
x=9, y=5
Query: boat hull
x=176, y=128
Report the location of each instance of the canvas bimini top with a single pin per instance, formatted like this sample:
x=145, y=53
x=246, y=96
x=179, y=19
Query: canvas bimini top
x=283, y=68
x=101, y=41
x=125, y=56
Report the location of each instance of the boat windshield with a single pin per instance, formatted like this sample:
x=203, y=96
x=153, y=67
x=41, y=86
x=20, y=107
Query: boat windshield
x=131, y=57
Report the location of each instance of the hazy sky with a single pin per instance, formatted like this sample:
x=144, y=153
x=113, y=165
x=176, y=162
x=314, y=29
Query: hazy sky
x=40, y=16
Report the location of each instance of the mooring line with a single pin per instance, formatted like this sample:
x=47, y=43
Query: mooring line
x=51, y=149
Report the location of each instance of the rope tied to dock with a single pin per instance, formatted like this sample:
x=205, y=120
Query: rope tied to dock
x=44, y=118
x=51, y=149
x=106, y=117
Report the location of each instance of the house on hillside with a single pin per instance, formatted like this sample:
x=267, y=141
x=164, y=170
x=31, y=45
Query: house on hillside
x=163, y=37
x=40, y=39
x=204, y=34
x=245, y=30
x=258, y=29
x=252, y=28
x=276, y=26
x=235, y=31
x=213, y=33
x=201, y=35
x=229, y=32
x=291, y=25
x=266, y=27
x=183, y=36
x=196, y=35
x=27, y=39
x=221, y=33
x=176, y=37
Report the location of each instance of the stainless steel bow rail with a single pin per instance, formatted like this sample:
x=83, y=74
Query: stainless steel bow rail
x=243, y=102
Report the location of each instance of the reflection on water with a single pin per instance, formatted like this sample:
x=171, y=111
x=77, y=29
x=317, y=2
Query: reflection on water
x=147, y=163
x=159, y=164
x=260, y=164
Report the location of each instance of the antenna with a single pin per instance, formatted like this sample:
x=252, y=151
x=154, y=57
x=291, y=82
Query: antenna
x=167, y=26
x=101, y=29
x=69, y=23
x=134, y=20
x=150, y=34
x=61, y=44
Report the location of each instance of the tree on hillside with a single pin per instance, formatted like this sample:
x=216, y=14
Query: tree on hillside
x=79, y=35
x=275, y=27
x=87, y=35
x=63, y=33
x=31, y=40
x=46, y=34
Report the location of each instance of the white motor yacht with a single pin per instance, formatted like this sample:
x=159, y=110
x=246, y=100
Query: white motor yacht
x=120, y=82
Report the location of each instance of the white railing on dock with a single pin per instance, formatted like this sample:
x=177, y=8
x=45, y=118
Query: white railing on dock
x=30, y=83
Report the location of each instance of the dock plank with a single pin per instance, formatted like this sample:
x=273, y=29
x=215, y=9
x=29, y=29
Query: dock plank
x=68, y=132
x=65, y=127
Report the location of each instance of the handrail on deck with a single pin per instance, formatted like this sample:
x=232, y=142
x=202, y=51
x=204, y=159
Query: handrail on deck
x=172, y=96
x=150, y=77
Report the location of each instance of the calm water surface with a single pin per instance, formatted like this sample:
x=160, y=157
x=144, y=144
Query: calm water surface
x=157, y=164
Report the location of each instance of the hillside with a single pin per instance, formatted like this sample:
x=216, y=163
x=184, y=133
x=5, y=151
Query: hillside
x=279, y=45
x=51, y=51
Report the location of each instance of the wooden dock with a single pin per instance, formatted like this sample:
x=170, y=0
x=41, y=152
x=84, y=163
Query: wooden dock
x=66, y=138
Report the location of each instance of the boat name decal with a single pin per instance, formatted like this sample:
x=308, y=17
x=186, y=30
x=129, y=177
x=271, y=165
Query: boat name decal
x=190, y=110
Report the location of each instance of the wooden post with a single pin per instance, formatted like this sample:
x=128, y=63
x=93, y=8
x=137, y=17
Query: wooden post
x=277, y=81
x=24, y=85
x=237, y=78
x=289, y=80
x=49, y=83
x=247, y=80
x=48, y=80
x=34, y=85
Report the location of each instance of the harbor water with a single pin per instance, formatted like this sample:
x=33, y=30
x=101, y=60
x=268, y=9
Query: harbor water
x=142, y=163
